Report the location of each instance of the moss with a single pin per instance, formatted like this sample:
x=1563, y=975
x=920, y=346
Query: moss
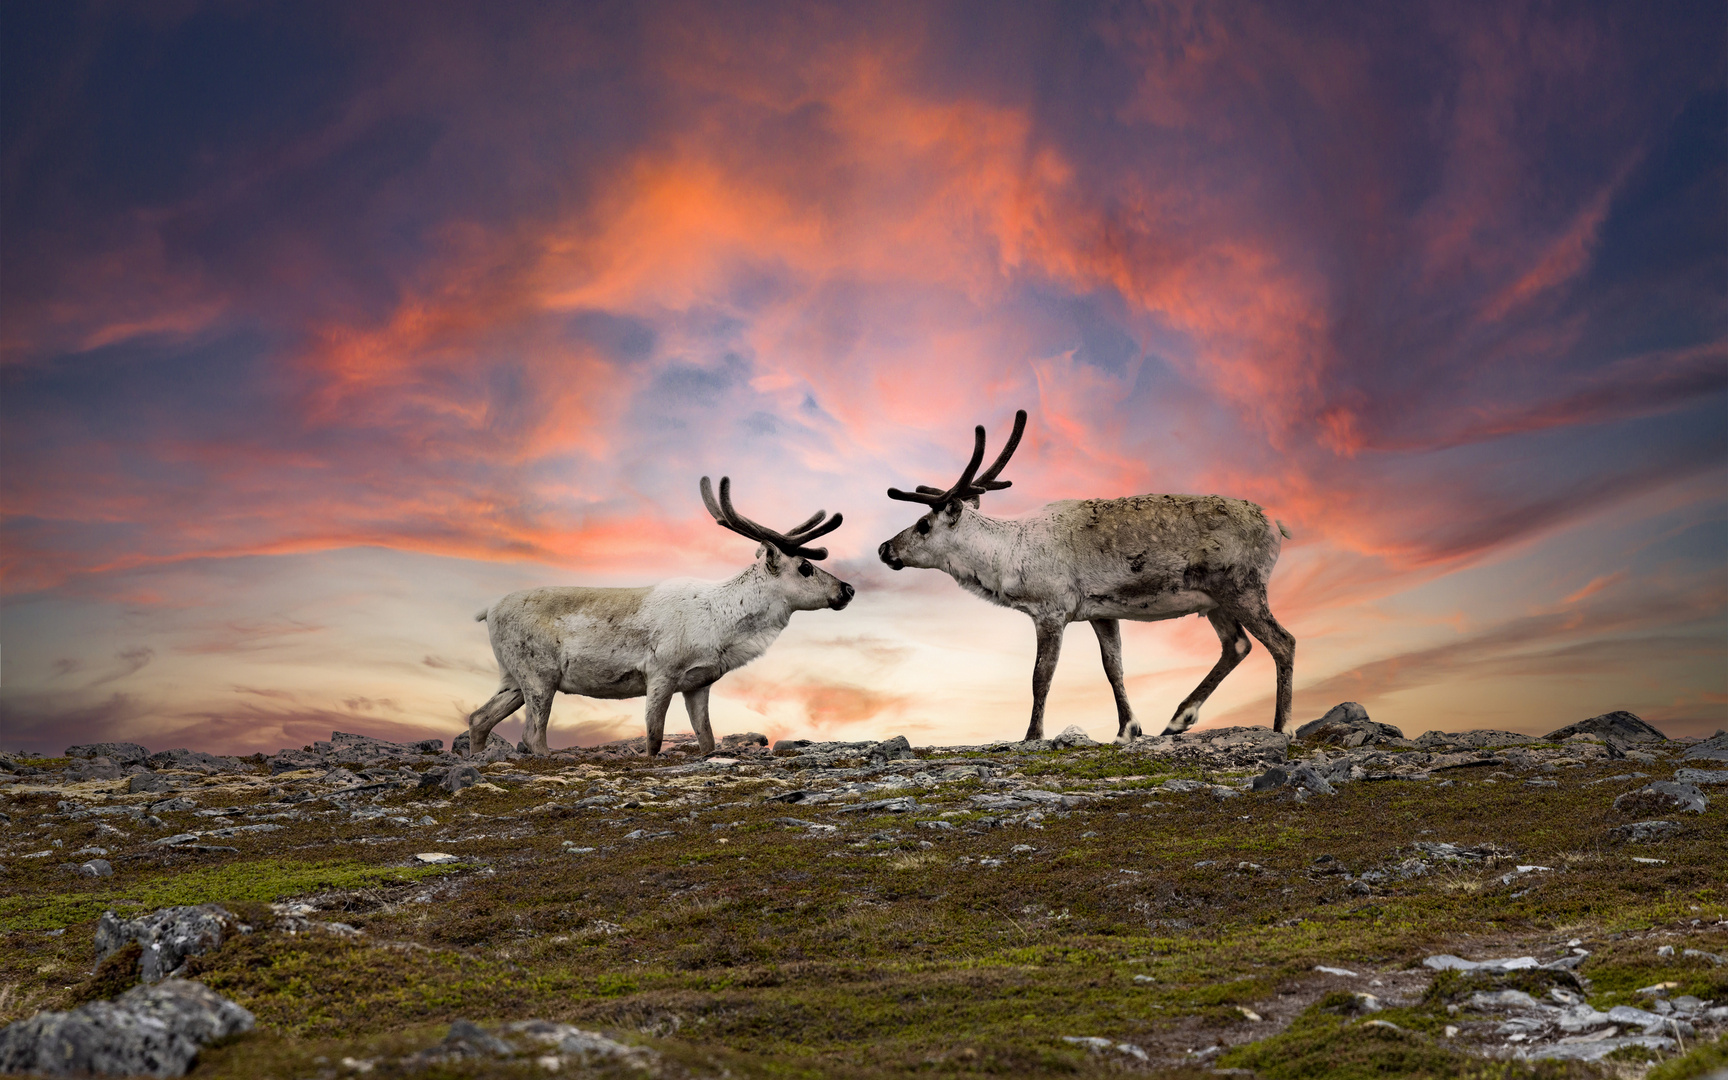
x=116, y=974
x=862, y=953
x=1702, y=1060
x=261, y=880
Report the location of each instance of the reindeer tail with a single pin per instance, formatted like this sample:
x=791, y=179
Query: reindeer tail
x=480, y=616
x=1281, y=528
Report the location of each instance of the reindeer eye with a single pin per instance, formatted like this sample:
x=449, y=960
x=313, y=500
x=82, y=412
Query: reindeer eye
x=924, y=526
x=806, y=569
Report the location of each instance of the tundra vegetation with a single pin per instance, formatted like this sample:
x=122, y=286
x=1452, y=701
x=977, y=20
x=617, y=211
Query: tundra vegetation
x=1053, y=908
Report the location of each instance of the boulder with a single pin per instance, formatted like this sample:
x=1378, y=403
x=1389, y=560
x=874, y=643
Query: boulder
x=1701, y=776
x=1347, y=725
x=96, y=768
x=193, y=761
x=167, y=936
x=459, y=777
x=896, y=749
x=742, y=741
x=288, y=760
x=148, y=781
x=152, y=1030
x=121, y=753
x=1715, y=748
x=1621, y=725
x=1481, y=737
x=1073, y=736
x=1663, y=795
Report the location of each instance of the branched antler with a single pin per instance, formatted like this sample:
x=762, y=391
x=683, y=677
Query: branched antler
x=790, y=543
x=971, y=483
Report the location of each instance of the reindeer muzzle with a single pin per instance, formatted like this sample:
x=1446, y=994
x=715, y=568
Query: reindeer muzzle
x=847, y=592
x=889, y=557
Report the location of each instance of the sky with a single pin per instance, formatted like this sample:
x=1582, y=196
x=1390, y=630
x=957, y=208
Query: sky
x=324, y=325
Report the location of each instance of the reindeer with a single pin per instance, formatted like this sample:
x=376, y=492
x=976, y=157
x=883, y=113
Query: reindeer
x=1145, y=558
x=679, y=636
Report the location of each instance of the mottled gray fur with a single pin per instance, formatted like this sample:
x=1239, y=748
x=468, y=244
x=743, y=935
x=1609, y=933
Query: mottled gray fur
x=676, y=637
x=1146, y=558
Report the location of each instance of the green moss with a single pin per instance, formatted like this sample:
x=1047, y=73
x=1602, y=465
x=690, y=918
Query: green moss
x=260, y=880
x=1701, y=1060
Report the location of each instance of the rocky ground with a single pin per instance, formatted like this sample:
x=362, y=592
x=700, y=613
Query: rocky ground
x=1347, y=902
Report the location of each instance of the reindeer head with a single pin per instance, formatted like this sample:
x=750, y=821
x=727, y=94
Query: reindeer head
x=786, y=561
x=943, y=530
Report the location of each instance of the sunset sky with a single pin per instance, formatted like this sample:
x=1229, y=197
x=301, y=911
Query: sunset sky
x=325, y=325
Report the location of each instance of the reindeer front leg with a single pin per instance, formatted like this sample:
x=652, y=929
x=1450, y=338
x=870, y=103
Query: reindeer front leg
x=1109, y=633
x=1043, y=670
x=659, y=697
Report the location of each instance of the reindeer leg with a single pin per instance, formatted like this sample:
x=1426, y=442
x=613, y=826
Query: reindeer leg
x=539, y=714
x=482, y=720
x=659, y=697
x=1109, y=633
x=1049, y=649
x=1235, y=647
x=1282, y=645
x=696, y=704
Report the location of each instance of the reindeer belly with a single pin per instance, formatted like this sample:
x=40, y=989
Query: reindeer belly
x=1141, y=604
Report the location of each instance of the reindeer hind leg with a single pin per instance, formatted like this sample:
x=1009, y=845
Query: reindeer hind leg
x=1234, y=647
x=1282, y=645
x=482, y=720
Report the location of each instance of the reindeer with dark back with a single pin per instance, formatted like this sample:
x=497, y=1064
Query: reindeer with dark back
x=1146, y=558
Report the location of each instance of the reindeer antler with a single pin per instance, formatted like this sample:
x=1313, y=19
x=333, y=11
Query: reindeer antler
x=971, y=484
x=789, y=543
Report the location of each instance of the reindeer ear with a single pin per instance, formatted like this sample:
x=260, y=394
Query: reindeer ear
x=952, y=510
x=771, y=556
x=972, y=502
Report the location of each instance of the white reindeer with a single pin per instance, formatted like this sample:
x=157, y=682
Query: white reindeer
x=1146, y=558
x=678, y=636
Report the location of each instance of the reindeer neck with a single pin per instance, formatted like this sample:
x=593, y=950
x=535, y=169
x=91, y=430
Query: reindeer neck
x=752, y=592
x=993, y=564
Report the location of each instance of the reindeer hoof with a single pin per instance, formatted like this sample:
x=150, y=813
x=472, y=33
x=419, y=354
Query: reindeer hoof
x=1128, y=734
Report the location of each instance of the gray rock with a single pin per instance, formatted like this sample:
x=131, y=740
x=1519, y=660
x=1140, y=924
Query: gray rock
x=98, y=768
x=167, y=936
x=340, y=777
x=97, y=868
x=289, y=760
x=1270, y=779
x=459, y=777
x=122, y=753
x=1664, y=795
x=194, y=761
x=459, y=745
x=1305, y=776
x=179, y=802
x=148, y=781
x=1347, y=724
x=742, y=741
x=895, y=749
x=1232, y=746
x=1715, y=748
x=788, y=745
x=1645, y=832
x=1073, y=736
x=1622, y=725
x=151, y=1030
x=1701, y=776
